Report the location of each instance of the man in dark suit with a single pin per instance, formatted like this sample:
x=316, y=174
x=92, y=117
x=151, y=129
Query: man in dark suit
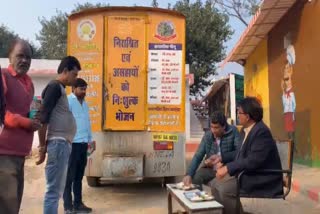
x=257, y=152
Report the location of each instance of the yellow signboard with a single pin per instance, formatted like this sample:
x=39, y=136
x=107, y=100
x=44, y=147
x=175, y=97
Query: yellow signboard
x=165, y=137
x=125, y=73
x=85, y=41
x=166, y=66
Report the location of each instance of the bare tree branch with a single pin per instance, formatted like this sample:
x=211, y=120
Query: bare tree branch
x=240, y=9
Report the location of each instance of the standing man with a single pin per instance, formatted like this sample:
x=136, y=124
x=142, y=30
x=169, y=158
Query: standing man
x=257, y=152
x=57, y=132
x=217, y=145
x=78, y=157
x=17, y=135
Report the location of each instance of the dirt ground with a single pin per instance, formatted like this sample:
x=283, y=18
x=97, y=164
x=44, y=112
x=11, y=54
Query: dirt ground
x=143, y=198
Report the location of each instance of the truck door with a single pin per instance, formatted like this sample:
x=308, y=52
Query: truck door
x=125, y=73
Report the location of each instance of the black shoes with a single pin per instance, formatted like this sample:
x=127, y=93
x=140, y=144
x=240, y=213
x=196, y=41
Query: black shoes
x=82, y=208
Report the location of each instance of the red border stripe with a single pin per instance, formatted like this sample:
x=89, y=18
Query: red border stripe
x=314, y=194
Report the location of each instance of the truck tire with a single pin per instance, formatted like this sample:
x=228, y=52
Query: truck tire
x=93, y=181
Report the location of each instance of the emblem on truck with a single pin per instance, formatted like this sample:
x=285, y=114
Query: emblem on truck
x=166, y=31
x=86, y=30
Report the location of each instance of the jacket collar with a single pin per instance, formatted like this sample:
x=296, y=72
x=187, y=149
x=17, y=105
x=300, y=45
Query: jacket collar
x=12, y=71
x=228, y=130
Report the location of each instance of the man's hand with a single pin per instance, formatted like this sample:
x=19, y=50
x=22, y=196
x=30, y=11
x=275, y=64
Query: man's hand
x=37, y=116
x=42, y=155
x=219, y=165
x=187, y=180
x=93, y=144
x=35, y=125
x=213, y=160
x=208, y=163
x=223, y=171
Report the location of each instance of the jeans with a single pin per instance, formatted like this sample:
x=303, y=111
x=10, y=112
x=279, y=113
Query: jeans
x=56, y=173
x=77, y=165
x=11, y=183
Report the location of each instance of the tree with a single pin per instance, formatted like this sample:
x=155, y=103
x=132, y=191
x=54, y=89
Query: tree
x=155, y=3
x=7, y=37
x=53, y=34
x=206, y=32
x=240, y=9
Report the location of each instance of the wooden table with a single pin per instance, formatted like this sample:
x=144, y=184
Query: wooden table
x=191, y=207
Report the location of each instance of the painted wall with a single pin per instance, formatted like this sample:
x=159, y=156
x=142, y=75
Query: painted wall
x=294, y=64
x=256, y=82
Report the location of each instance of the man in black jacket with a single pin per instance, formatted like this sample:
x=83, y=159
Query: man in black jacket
x=257, y=152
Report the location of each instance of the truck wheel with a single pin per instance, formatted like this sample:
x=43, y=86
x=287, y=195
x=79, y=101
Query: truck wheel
x=93, y=181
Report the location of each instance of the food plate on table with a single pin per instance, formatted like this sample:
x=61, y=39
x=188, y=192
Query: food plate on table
x=181, y=186
x=198, y=196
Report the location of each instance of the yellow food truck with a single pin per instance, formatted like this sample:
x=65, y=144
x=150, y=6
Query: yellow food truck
x=133, y=59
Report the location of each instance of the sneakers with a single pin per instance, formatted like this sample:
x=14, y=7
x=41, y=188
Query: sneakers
x=81, y=208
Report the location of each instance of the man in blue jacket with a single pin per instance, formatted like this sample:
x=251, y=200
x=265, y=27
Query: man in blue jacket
x=217, y=145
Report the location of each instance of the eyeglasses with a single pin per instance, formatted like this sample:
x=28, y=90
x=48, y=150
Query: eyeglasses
x=241, y=113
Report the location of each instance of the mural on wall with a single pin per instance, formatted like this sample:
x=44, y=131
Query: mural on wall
x=288, y=97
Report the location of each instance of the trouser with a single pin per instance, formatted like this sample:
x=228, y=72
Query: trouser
x=225, y=192
x=56, y=173
x=77, y=165
x=203, y=176
x=11, y=183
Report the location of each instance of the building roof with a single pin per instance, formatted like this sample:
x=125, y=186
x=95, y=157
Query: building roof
x=269, y=14
x=39, y=67
x=215, y=88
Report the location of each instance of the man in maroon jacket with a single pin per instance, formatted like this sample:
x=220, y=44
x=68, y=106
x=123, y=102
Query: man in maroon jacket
x=17, y=135
x=2, y=103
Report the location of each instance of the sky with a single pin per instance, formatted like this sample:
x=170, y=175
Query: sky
x=22, y=17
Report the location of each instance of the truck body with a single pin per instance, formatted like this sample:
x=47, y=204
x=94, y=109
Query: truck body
x=133, y=59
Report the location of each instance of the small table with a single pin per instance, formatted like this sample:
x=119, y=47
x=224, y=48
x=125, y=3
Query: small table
x=191, y=207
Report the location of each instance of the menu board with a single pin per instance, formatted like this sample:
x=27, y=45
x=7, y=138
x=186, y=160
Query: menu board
x=166, y=86
x=164, y=79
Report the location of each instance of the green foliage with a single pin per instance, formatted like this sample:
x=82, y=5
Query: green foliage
x=6, y=37
x=206, y=32
x=53, y=34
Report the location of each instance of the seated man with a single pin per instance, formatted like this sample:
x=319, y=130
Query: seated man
x=257, y=152
x=217, y=145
